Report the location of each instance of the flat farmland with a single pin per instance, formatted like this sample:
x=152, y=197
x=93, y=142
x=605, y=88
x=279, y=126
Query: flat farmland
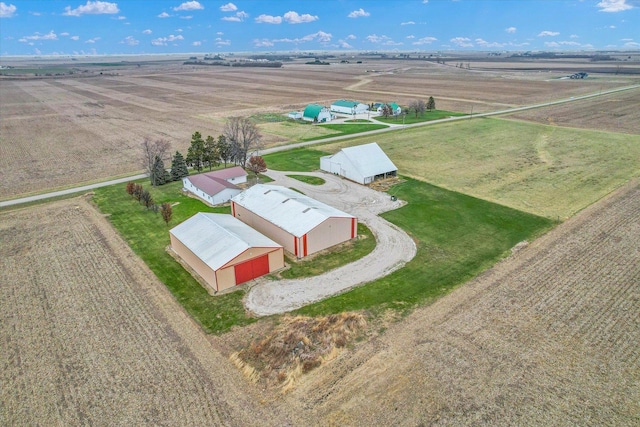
x=546, y=170
x=89, y=336
x=549, y=336
x=616, y=112
x=59, y=131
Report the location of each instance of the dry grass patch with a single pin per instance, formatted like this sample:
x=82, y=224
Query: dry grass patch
x=296, y=346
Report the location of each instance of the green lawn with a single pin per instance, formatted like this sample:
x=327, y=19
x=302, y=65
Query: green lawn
x=296, y=160
x=457, y=237
x=427, y=116
x=312, y=180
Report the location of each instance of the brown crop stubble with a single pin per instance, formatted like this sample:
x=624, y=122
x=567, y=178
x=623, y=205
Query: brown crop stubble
x=89, y=336
x=547, y=337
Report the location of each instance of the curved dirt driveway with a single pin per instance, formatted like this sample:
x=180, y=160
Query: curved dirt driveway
x=393, y=249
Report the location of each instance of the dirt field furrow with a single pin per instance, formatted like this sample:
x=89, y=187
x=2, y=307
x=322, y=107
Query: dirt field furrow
x=88, y=337
x=548, y=336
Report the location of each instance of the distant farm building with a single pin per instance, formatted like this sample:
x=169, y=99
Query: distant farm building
x=362, y=163
x=316, y=113
x=295, y=115
x=216, y=187
x=299, y=223
x=224, y=251
x=349, y=107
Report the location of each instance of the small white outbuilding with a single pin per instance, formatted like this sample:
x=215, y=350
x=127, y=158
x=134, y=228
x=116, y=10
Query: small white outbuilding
x=216, y=187
x=362, y=163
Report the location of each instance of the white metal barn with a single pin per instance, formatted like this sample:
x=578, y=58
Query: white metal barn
x=224, y=251
x=299, y=223
x=361, y=163
x=316, y=113
x=349, y=107
x=216, y=187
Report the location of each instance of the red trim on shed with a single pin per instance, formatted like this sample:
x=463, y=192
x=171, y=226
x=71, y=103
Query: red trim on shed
x=304, y=242
x=295, y=245
x=233, y=209
x=251, y=269
x=353, y=228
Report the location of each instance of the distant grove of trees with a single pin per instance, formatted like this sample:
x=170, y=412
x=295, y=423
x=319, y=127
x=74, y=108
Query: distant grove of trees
x=240, y=138
x=419, y=106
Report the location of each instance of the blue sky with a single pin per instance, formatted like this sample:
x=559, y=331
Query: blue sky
x=81, y=27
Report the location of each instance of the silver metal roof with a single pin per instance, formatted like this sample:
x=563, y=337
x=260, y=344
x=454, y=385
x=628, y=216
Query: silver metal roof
x=218, y=238
x=369, y=159
x=293, y=212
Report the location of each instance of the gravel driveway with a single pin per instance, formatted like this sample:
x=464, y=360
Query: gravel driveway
x=393, y=249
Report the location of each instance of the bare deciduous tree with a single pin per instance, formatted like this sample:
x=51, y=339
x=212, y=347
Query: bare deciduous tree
x=418, y=106
x=167, y=212
x=152, y=149
x=243, y=137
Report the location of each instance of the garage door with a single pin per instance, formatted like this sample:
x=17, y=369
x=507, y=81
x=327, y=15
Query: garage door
x=251, y=269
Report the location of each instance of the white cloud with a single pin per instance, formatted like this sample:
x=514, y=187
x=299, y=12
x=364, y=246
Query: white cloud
x=574, y=36
x=37, y=36
x=31, y=13
x=147, y=32
x=7, y=10
x=229, y=7
x=293, y=18
x=511, y=30
x=262, y=43
x=238, y=17
x=92, y=8
x=358, y=13
x=162, y=41
x=189, y=5
x=632, y=45
x=93, y=40
x=486, y=44
x=164, y=15
x=186, y=17
x=548, y=34
x=351, y=37
x=344, y=45
x=411, y=37
x=65, y=34
x=424, y=40
x=219, y=33
x=198, y=43
x=75, y=38
x=121, y=18
x=461, y=42
x=130, y=41
x=268, y=19
x=408, y=23
x=614, y=5
x=221, y=42
x=382, y=40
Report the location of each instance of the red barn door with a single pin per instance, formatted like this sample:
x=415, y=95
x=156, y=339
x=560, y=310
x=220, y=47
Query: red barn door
x=251, y=269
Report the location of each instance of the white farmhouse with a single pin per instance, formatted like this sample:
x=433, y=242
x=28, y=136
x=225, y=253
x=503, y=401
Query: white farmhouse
x=216, y=187
x=362, y=164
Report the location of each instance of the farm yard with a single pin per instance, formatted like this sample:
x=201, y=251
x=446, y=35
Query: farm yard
x=99, y=322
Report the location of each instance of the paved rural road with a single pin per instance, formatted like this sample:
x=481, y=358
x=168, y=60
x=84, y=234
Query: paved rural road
x=394, y=247
x=322, y=141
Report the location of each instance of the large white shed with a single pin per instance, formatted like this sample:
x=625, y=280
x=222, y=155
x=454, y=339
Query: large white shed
x=299, y=223
x=224, y=251
x=361, y=163
x=344, y=106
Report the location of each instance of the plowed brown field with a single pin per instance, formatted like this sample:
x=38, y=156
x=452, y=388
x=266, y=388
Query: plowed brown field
x=60, y=131
x=88, y=336
x=548, y=337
